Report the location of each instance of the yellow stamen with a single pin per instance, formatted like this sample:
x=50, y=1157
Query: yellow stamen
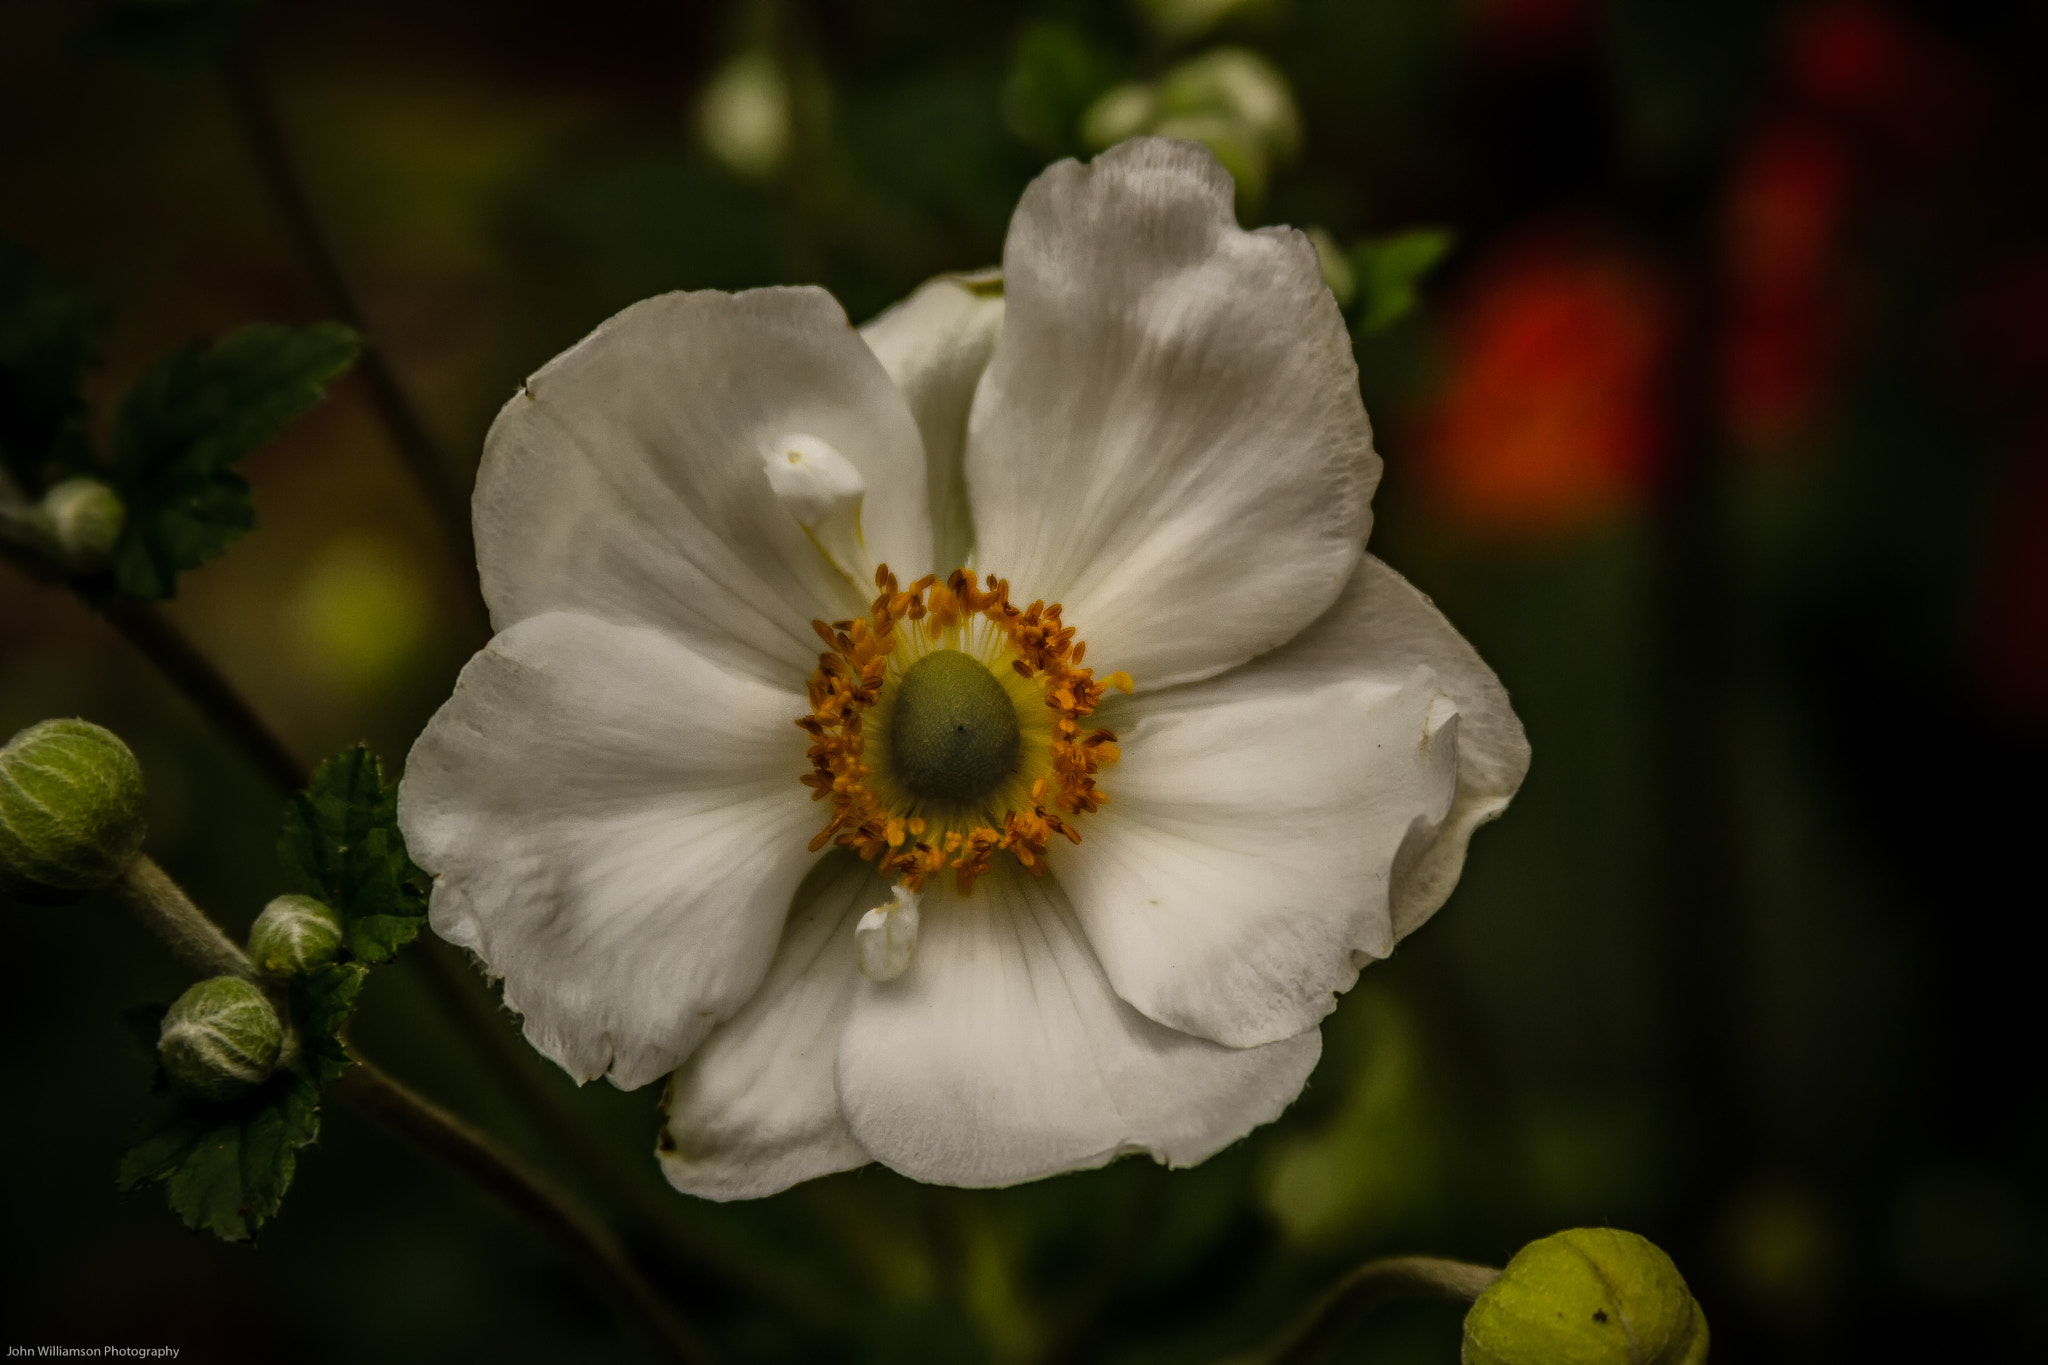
x=852, y=698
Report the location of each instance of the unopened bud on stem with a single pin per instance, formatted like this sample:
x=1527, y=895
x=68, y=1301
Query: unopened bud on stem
x=294, y=934
x=71, y=810
x=81, y=520
x=1590, y=1296
x=221, y=1039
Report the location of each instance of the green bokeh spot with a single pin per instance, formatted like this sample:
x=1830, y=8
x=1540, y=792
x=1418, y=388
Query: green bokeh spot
x=953, y=736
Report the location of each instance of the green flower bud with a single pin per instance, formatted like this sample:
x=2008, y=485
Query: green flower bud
x=1590, y=1296
x=294, y=934
x=1242, y=87
x=82, y=520
x=221, y=1039
x=71, y=810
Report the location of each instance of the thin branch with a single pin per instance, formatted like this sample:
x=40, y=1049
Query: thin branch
x=1368, y=1287
x=257, y=117
x=497, y=1171
x=193, y=674
x=164, y=908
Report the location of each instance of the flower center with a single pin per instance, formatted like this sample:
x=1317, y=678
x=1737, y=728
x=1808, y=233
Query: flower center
x=954, y=730
x=947, y=729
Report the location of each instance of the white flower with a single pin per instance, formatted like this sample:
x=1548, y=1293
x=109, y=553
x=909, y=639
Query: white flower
x=1152, y=419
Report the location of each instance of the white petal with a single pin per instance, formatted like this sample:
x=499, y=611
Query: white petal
x=935, y=344
x=755, y=1110
x=1002, y=1055
x=615, y=826
x=1400, y=626
x=625, y=480
x=1243, y=862
x=1270, y=829
x=1169, y=441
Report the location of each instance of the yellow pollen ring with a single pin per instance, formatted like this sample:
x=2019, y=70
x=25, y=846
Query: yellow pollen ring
x=1032, y=656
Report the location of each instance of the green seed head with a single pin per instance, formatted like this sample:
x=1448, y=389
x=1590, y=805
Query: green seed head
x=1590, y=1296
x=294, y=934
x=953, y=733
x=221, y=1039
x=71, y=810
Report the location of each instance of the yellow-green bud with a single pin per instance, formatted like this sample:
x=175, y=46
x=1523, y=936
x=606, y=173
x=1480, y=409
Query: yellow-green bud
x=221, y=1039
x=294, y=934
x=1590, y=1296
x=71, y=810
x=81, y=519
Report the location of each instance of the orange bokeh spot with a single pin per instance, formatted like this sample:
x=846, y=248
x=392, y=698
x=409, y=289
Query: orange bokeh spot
x=1551, y=415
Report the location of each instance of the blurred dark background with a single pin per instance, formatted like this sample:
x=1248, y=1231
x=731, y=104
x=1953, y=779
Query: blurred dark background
x=1722, y=431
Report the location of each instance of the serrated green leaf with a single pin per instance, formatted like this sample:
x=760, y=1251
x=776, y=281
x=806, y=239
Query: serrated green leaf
x=50, y=334
x=271, y=1138
x=225, y=1168
x=322, y=1001
x=326, y=996
x=1390, y=272
x=341, y=844
x=189, y=421
x=167, y=1139
x=205, y=1189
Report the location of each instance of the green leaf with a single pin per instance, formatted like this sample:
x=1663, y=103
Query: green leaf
x=1055, y=74
x=322, y=1001
x=50, y=334
x=225, y=1168
x=1390, y=272
x=341, y=844
x=189, y=421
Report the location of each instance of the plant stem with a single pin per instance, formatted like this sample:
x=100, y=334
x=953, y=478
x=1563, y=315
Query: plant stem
x=491, y=1167
x=169, y=913
x=257, y=117
x=193, y=674
x=1368, y=1287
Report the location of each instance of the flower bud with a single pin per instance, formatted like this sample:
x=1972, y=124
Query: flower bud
x=1590, y=1296
x=81, y=519
x=220, y=1039
x=1241, y=86
x=747, y=116
x=294, y=934
x=71, y=810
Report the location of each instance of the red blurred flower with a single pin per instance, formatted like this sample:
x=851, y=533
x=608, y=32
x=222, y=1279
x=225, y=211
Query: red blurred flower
x=1551, y=414
x=1850, y=55
x=1870, y=63
x=1872, y=112
x=1780, y=232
